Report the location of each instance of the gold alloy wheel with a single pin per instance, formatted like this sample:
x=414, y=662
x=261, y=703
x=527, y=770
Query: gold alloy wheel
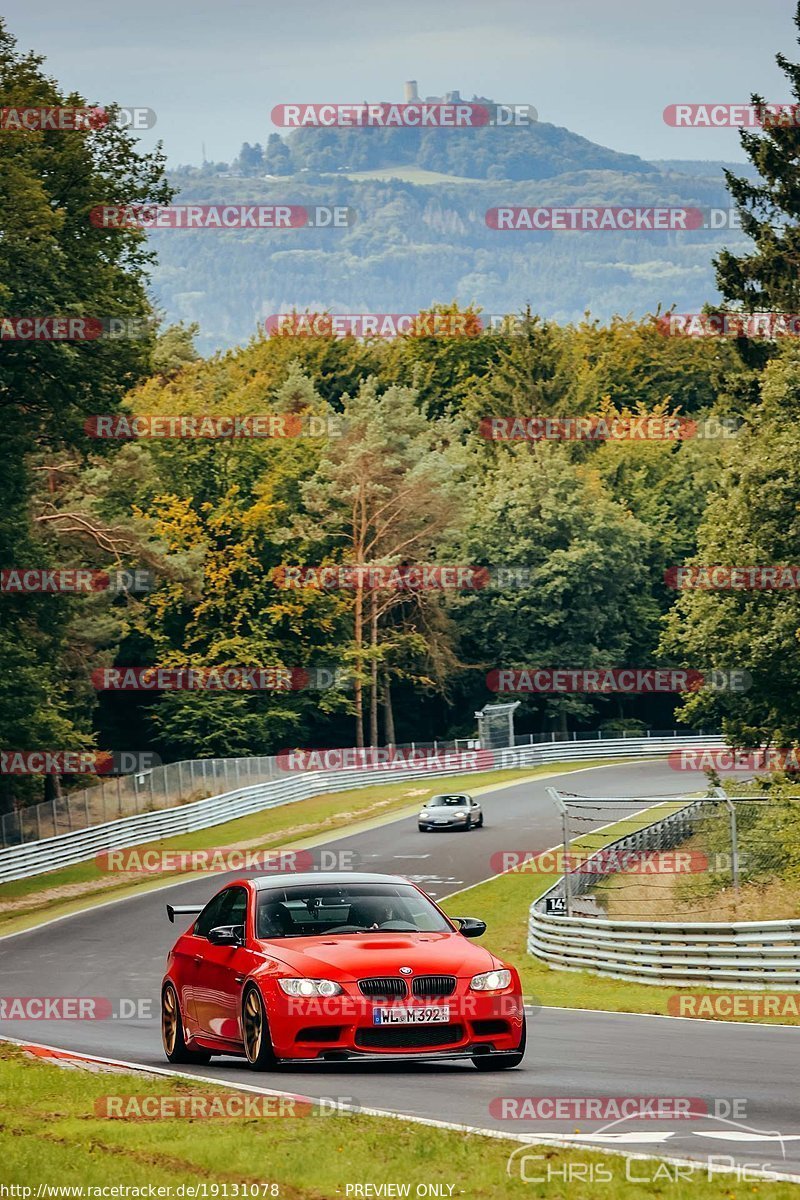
x=169, y=1019
x=253, y=1024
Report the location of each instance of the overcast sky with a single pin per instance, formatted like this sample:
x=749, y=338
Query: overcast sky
x=213, y=70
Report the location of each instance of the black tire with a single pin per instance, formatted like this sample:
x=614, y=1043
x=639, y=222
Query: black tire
x=172, y=1038
x=422, y=828
x=255, y=1031
x=503, y=1062
x=480, y=822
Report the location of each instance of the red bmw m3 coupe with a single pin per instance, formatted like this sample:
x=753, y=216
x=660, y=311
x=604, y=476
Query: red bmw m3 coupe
x=321, y=967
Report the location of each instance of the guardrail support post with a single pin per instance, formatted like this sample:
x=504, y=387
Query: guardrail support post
x=721, y=794
x=567, y=896
x=553, y=793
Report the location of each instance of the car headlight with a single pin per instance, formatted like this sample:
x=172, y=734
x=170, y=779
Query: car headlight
x=491, y=981
x=310, y=987
x=460, y=817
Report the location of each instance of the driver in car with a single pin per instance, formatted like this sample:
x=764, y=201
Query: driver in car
x=373, y=915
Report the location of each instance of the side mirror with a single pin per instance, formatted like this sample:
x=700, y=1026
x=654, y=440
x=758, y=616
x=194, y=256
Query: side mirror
x=227, y=935
x=471, y=927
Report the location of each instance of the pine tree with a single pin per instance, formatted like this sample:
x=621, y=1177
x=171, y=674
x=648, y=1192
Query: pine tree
x=767, y=278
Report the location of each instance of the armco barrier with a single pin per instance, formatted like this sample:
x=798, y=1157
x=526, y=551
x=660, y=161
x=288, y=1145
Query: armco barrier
x=716, y=954
x=171, y=784
x=34, y=858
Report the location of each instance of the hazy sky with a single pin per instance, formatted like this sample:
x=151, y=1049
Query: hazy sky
x=213, y=70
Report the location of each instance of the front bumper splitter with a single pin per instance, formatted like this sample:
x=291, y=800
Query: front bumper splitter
x=334, y=1056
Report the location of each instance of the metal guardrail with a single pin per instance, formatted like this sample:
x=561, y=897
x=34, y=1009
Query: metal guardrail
x=167, y=786
x=717, y=954
x=48, y=854
x=120, y=796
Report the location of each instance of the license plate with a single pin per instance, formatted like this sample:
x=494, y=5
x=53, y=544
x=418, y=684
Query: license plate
x=411, y=1016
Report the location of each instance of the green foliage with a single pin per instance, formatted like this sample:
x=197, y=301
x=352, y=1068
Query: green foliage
x=175, y=348
x=587, y=603
x=413, y=245
x=753, y=520
x=765, y=279
x=401, y=476
x=402, y=472
x=53, y=261
x=537, y=151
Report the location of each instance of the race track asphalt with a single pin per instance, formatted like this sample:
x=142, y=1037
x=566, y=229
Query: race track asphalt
x=117, y=951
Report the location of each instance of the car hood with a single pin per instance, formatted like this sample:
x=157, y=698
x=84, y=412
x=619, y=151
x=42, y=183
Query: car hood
x=356, y=956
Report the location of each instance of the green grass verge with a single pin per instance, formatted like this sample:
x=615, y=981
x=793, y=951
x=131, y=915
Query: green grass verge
x=504, y=903
x=26, y=902
x=50, y=1134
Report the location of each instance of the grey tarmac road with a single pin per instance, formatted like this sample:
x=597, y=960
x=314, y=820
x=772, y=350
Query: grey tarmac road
x=118, y=951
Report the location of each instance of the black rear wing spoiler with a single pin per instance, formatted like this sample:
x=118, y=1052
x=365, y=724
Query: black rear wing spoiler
x=183, y=910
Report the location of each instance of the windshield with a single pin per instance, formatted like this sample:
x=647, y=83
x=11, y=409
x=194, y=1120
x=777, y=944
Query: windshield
x=311, y=910
x=449, y=801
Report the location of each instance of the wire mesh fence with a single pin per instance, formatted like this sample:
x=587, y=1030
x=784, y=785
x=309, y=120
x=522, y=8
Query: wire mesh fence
x=680, y=857
x=126, y=795
x=551, y=735
x=182, y=782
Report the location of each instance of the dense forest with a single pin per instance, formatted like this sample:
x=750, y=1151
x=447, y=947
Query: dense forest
x=414, y=243
x=388, y=461
x=422, y=196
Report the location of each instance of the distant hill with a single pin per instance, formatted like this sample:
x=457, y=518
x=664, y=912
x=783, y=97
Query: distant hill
x=706, y=167
x=421, y=239
x=537, y=151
